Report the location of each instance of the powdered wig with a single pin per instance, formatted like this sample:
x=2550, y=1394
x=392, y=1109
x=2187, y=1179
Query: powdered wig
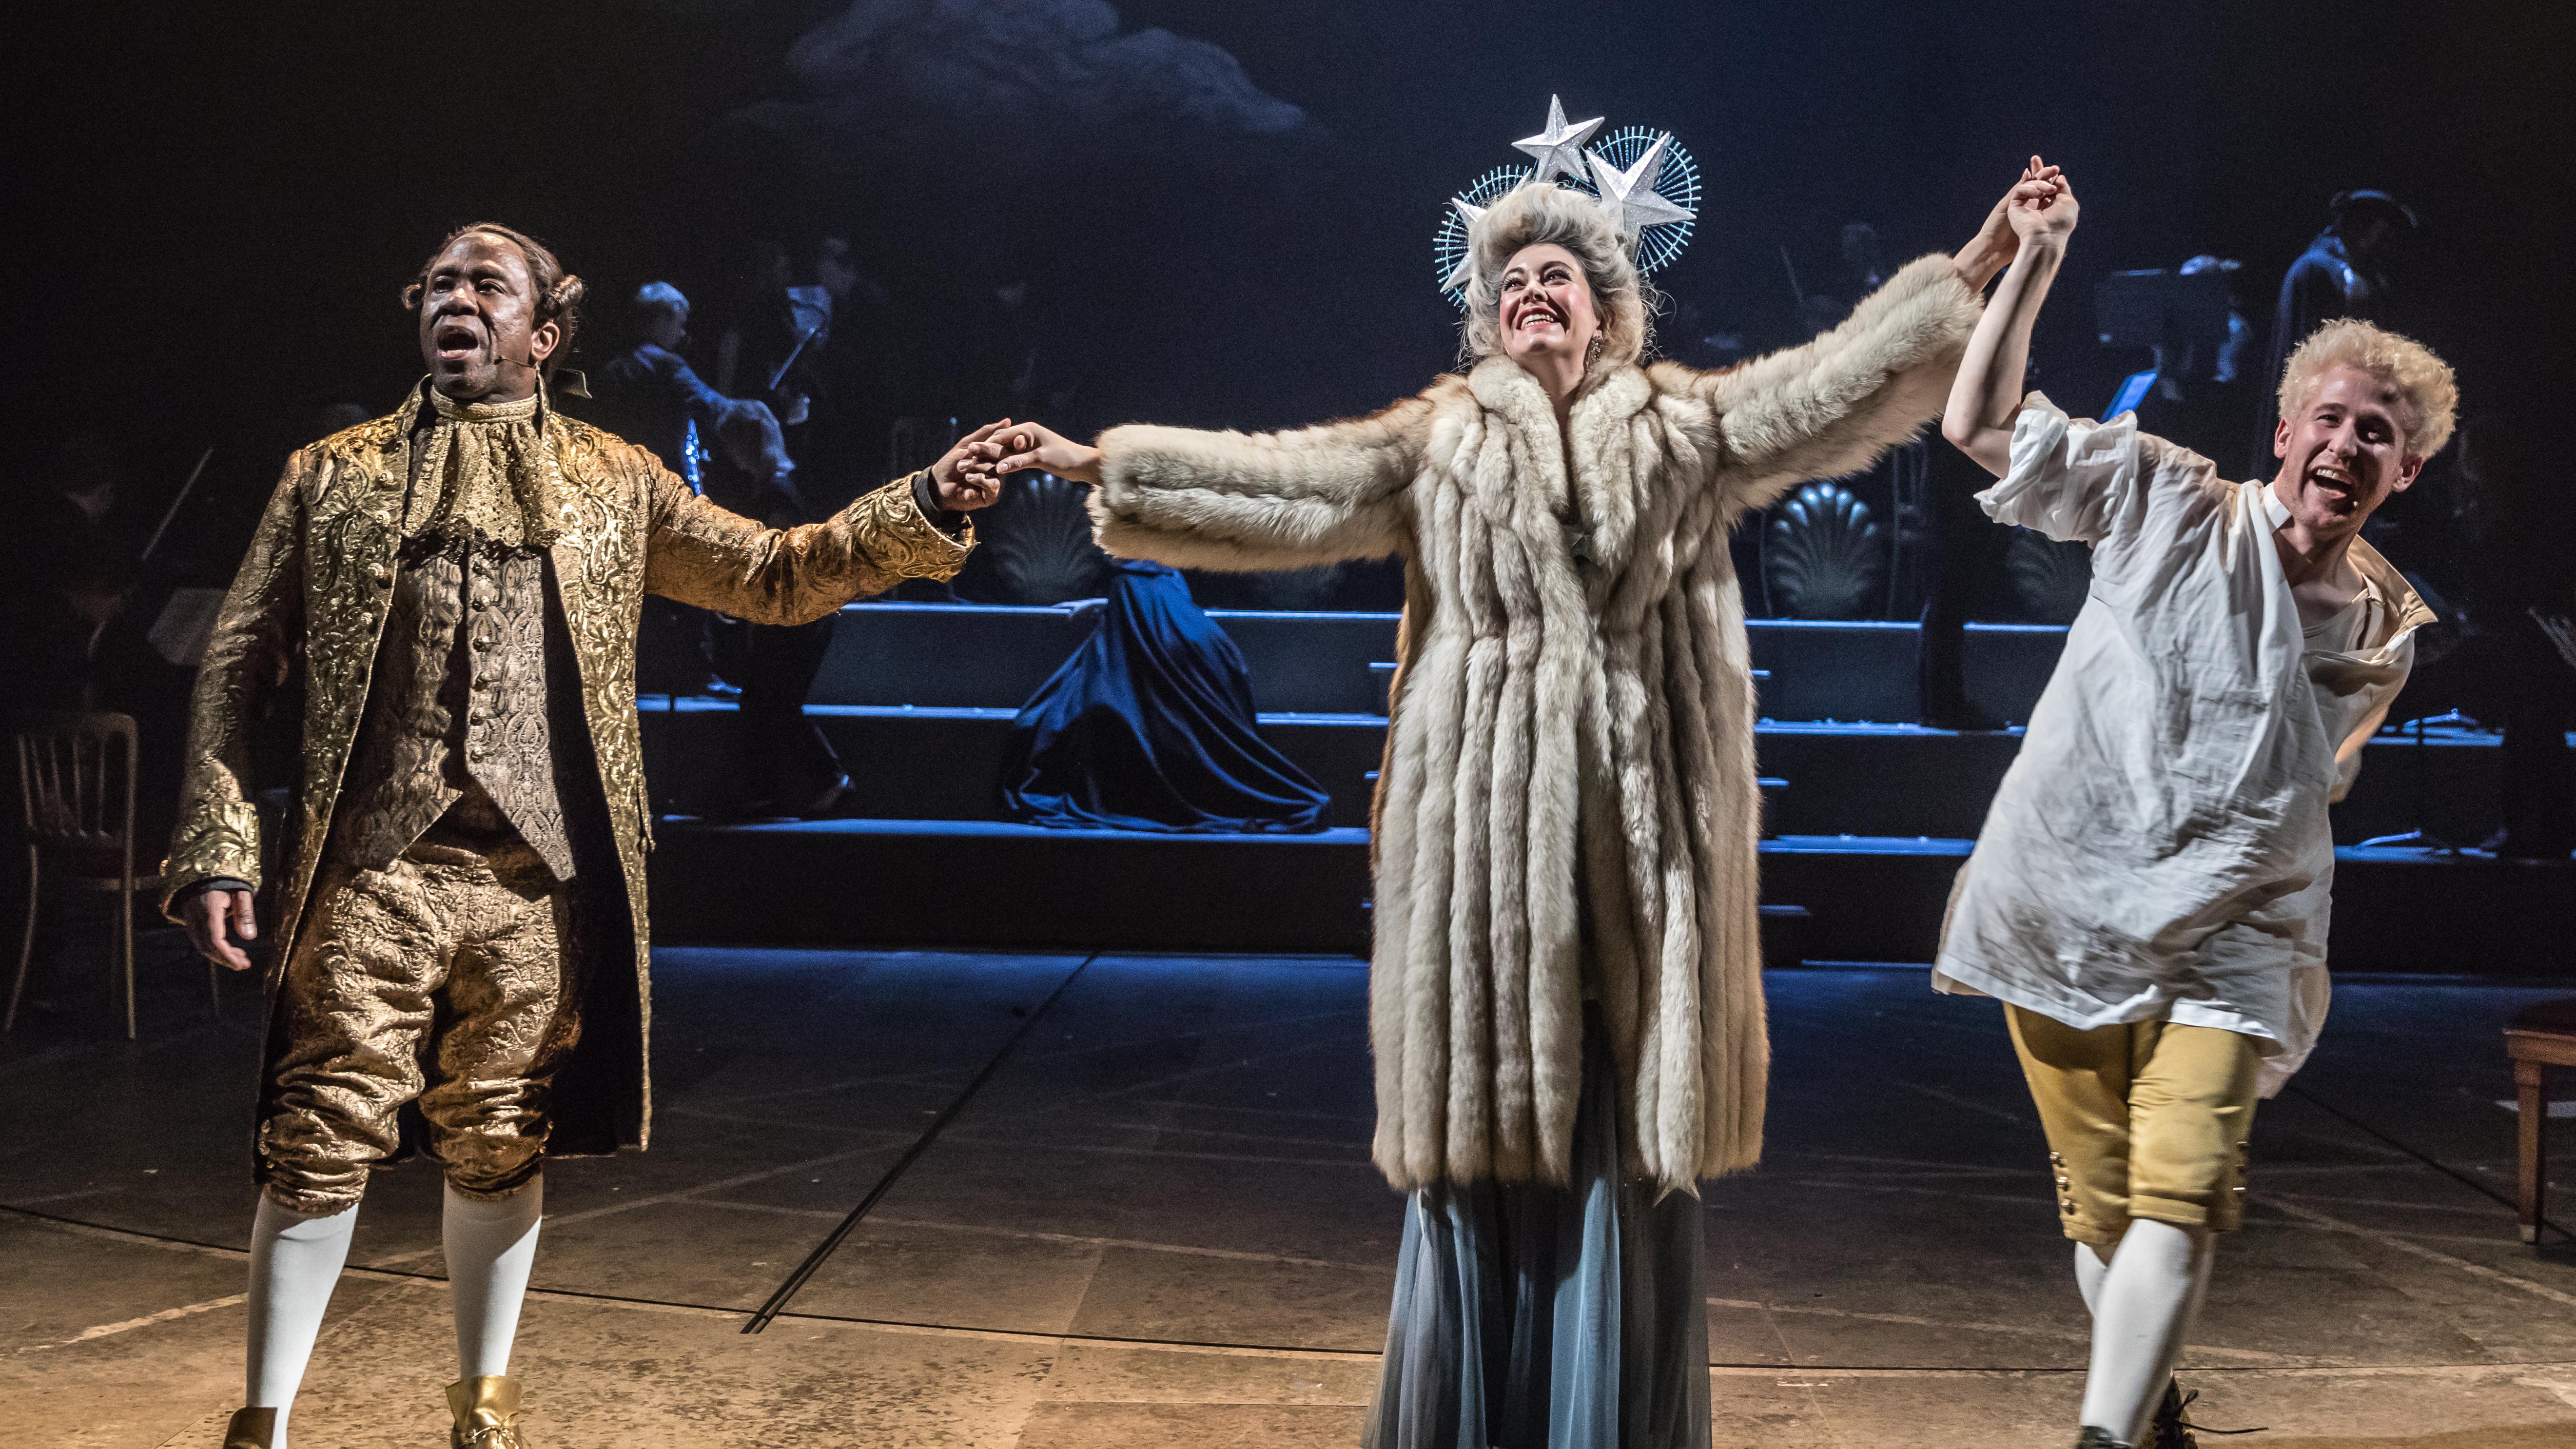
x=2431, y=397
x=1541, y=215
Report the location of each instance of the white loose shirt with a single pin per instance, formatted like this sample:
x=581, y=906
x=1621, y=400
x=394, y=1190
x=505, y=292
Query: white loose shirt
x=2159, y=849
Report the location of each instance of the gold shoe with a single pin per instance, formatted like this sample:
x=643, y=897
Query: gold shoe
x=487, y=1413
x=251, y=1429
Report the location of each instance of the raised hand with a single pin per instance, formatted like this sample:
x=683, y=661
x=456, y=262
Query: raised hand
x=1997, y=240
x=965, y=476
x=1028, y=445
x=2042, y=208
x=1986, y=394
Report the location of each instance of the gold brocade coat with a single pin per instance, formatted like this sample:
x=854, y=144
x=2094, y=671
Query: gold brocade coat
x=316, y=584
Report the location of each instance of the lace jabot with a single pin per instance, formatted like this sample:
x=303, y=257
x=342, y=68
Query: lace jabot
x=482, y=479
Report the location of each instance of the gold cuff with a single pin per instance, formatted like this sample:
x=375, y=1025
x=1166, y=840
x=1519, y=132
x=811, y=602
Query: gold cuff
x=888, y=528
x=215, y=838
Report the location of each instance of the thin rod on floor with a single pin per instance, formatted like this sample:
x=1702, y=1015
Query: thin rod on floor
x=777, y=1303
x=2293, y=1089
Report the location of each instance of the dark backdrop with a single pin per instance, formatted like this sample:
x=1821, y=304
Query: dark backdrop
x=215, y=205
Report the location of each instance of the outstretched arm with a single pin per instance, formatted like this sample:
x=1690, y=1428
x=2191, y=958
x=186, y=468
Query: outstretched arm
x=700, y=554
x=1831, y=406
x=1224, y=500
x=1987, y=395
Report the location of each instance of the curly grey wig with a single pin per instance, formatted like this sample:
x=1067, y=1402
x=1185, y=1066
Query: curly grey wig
x=1535, y=215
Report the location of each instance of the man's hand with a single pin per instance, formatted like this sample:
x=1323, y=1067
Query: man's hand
x=205, y=915
x=1027, y=445
x=1999, y=239
x=964, y=475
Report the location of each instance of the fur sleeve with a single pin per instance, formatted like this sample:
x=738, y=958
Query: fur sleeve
x=1238, y=501
x=1833, y=405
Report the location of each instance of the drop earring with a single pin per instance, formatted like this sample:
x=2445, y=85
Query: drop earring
x=1592, y=354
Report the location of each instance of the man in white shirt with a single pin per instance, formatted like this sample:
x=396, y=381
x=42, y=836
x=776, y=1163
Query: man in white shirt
x=2149, y=895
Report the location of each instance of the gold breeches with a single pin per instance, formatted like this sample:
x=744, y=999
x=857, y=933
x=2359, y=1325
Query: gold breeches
x=438, y=979
x=2144, y=1120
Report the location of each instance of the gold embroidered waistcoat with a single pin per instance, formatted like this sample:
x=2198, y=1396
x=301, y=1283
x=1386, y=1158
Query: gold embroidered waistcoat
x=464, y=700
x=318, y=584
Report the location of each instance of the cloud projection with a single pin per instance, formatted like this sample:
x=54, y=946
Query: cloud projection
x=1019, y=83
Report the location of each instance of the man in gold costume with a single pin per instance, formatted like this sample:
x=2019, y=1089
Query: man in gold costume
x=461, y=945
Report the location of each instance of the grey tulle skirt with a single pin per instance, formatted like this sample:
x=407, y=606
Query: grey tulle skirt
x=1535, y=1317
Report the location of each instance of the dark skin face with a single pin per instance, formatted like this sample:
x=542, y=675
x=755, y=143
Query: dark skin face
x=479, y=331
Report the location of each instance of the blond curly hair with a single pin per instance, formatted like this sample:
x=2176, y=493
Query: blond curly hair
x=1536, y=215
x=2431, y=395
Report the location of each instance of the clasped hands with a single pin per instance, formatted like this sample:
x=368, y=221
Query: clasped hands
x=976, y=467
x=2040, y=207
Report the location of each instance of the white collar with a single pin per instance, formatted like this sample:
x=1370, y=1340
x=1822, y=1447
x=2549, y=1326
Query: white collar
x=2378, y=576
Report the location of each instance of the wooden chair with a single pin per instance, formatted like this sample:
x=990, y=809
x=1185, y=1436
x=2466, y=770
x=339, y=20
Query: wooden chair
x=76, y=783
x=2538, y=1038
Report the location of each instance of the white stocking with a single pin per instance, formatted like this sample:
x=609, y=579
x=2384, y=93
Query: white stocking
x=491, y=1245
x=2141, y=1312
x=2090, y=1268
x=294, y=1264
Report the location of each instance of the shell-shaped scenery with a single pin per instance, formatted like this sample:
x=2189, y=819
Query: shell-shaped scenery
x=1825, y=557
x=2049, y=579
x=1039, y=539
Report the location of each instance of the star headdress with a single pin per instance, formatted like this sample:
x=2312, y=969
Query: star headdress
x=1559, y=148
x=1644, y=182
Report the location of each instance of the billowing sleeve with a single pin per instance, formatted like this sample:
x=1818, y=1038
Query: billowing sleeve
x=253, y=646
x=1225, y=500
x=2086, y=482
x=1832, y=405
x=700, y=554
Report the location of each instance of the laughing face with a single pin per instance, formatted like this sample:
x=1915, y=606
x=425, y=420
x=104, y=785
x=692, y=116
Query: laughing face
x=2343, y=453
x=478, y=321
x=1546, y=304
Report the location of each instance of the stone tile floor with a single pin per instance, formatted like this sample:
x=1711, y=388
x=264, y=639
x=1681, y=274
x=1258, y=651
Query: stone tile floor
x=1155, y=1224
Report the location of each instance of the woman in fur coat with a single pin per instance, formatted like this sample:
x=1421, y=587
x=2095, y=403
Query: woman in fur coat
x=1565, y=1005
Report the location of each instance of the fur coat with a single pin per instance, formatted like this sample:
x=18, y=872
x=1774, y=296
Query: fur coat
x=1568, y=808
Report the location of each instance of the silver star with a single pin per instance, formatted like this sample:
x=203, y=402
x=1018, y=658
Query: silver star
x=1560, y=146
x=1459, y=275
x=1630, y=198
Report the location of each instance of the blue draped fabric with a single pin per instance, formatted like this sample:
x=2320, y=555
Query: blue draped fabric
x=1531, y=1316
x=1149, y=726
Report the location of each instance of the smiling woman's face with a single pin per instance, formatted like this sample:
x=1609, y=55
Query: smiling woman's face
x=1546, y=305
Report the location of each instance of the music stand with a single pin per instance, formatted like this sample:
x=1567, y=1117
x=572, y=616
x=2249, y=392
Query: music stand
x=2419, y=837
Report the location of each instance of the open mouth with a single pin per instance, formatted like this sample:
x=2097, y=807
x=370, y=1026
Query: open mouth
x=1536, y=315
x=455, y=340
x=2339, y=487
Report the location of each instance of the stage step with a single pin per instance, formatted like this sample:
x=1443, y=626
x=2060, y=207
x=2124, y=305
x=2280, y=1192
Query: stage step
x=1831, y=779
x=990, y=656
x=988, y=883
x=1847, y=898
x=947, y=763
